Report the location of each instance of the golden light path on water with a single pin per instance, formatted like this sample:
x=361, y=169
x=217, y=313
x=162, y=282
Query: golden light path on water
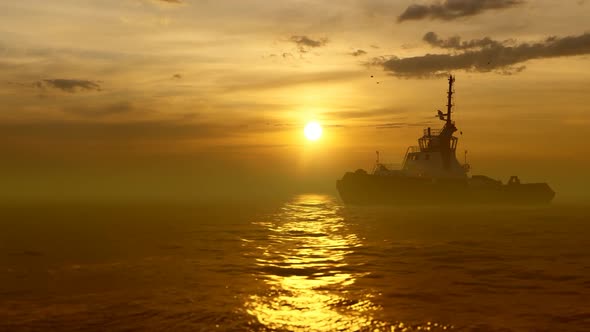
x=302, y=260
x=304, y=267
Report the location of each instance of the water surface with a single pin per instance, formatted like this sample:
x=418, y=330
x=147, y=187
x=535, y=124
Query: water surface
x=305, y=264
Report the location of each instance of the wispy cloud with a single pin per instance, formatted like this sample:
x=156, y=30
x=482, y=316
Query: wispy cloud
x=366, y=114
x=79, y=133
x=170, y=1
x=359, y=52
x=114, y=109
x=485, y=56
x=453, y=9
x=289, y=80
x=69, y=85
x=305, y=43
x=395, y=125
x=455, y=42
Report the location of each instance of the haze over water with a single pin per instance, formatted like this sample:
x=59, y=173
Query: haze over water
x=153, y=154
x=305, y=264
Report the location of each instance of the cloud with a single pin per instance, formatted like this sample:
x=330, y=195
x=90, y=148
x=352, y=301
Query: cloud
x=64, y=134
x=280, y=81
x=170, y=1
x=120, y=108
x=391, y=125
x=396, y=125
x=365, y=114
x=358, y=53
x=177, y=76
x=453, y=9
x=69, y=85
x=456, y=43
x=304, y=43
x=490, y=56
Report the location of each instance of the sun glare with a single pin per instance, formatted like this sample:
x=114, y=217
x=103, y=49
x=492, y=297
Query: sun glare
x=313, y=131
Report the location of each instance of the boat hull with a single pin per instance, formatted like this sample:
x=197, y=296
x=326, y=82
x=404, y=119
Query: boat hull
x=368, y=189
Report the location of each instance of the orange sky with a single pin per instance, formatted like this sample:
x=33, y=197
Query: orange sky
x=153, y=97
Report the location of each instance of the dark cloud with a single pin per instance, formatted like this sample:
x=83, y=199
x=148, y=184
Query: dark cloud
x=358, y=53
x=304, y=43
x=69, y=85
x=456, y=43
x=511, y=70
x=170, y=1
x=452, y=9
x=177, y=76
x=495, y=56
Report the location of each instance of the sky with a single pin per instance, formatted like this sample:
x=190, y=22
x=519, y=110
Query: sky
x=185, y=98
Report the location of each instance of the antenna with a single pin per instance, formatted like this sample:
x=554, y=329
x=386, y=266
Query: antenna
x=450, y=98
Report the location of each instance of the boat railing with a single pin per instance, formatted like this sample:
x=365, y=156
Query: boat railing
x=386, y=167
x=433, y=132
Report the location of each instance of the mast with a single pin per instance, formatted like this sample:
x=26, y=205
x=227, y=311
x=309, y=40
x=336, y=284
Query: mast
x=447, y=141
x=450, y=98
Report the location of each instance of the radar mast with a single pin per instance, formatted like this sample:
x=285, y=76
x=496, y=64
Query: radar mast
x=450, y=98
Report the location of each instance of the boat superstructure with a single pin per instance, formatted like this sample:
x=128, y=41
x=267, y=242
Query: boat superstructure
x=435, y=155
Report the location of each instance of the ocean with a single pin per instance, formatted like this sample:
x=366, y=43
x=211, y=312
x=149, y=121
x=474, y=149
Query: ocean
x=306, y=263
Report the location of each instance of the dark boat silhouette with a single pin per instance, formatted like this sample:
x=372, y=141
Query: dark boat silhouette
x=431, y=174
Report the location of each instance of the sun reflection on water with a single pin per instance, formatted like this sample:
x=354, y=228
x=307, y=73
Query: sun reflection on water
x=304, y=267
x=302, y=259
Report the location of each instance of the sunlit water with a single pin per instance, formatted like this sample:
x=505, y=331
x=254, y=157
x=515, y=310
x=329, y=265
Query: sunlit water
x=305, y=264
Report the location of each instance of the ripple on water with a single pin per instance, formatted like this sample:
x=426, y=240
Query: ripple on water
x=303, y=262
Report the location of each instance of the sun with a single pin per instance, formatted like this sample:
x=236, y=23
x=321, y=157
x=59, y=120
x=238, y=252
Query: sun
x=313, y=131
